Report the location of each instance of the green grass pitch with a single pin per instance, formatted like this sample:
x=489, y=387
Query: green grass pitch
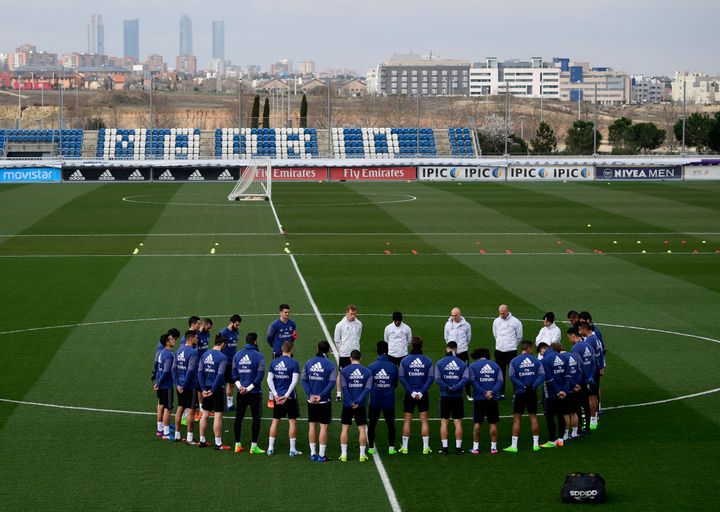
x=81, y=316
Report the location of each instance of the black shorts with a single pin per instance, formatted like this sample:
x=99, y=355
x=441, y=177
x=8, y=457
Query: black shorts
x=410, y=403
x=525, y=401
x=343, y=362
x=568, y=405
x=228, y=373
x=395, y=360
x=215, y=402
x=463, y=356
x=486, y=409
x=320, y=413
x=165, y=398
x=452, y=406
x=349, y=414
x=188, y=399
x=593, y=388
x=289, y=409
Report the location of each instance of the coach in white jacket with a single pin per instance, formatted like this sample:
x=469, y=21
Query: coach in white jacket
x=457, y=329
x=508, y=332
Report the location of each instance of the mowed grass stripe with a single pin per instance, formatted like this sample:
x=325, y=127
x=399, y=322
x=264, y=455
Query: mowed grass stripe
x=695, y=194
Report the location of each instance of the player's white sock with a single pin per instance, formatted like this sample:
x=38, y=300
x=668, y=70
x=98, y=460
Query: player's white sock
x=343, y=450
x=574, y=432
x=253, y=445
x=166, y=430
x=189, y=437
x=271, y=443
x=566, y=435
x=218, y=441
x=593, y=420
x=426, y=442
x=405, y=440
x=229, y=401
x=322, y=450
x=270, y=396
x=292, y=444
x=177, y=434
x=202, y=439
x=444, y=443
x=185, y=413
x=391, y=447
x=493, y=445
x=536, y=440
x=160, y=425
x=313, y=449
x=458, y=443
x=476, y=445
x=362, y=450
x=514, y=441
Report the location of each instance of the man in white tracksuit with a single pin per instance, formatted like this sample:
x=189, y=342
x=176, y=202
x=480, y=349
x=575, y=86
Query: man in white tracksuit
x=398, y=336
x=347, y=338
x=457, y=329
x=508, y=332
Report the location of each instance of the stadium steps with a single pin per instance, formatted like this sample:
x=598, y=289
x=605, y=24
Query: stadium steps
x=442, y=143
x=90, y=142
x=322, y=139
x=207, y=144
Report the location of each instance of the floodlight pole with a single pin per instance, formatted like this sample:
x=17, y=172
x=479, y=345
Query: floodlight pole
x=239, y=100
x=19, y=115
x=507, y=115
x=417, y=120
x=684, y=113
x=595, y=124
x=329, y=107
x=541, y=100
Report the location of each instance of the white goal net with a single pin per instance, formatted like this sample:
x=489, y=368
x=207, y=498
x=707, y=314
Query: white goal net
x=254, y=183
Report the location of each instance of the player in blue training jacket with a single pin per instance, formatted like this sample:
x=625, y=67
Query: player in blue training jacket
x=356, y=382
x=194, y=324
x=585, y=316
x=554, y=394
x=248, y=371
x=487, y=382
x=573, y=386
x=451, y=374
x=318, y=380
x=164, y=384
x=586, y=331
x=587, y=355
x=282, y=379
x=527, y=374
x=231, y=334
x=281, y=330
x=211, y=380
x=203, y=336
x=185, y=377
x=382, y=397
x=416, y=375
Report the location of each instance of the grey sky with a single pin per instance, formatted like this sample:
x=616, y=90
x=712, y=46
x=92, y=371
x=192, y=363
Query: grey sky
x=637, y=36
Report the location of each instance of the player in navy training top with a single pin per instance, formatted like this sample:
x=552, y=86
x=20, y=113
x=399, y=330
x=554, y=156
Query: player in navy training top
x=527, y=374
x=283, y=377
x=573, y=379
x=164, y=384
x=231, y=334
x=203, y=336
x=416, y=375
x=194, y=324
x=211, y=380
x=451, y=375
x=281, y=330
x=248, y=371
x=318, y=380
x=356, y=382
x=185, y=377
x=382, y=396
x=487, y=381
x=554, y=393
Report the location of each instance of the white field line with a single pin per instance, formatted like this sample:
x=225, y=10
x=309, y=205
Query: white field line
x=406, y=199
x=473, y=233
x=148, y=413
x=384, y=478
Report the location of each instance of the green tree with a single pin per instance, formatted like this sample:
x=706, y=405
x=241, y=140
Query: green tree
x=516, y=145
x=645, y=136
x=714, y=134
x=255, y=114
x=545, y=142
x=579, y=138
x=697, y=130
x=266, y=113
x=618, y=137
x=94, y=123
x=303, y=112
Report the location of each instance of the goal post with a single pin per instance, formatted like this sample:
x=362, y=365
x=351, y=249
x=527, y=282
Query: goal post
x=255, y=183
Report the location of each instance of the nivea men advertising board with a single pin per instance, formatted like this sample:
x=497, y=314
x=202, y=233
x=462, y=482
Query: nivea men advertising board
x=702, y=172
x=196, y=174
x=93, y=173
x=461, y=173
x=638, y=173
x=550, y=173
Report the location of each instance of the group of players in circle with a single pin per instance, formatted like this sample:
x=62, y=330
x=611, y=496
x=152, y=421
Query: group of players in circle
x=203, y=376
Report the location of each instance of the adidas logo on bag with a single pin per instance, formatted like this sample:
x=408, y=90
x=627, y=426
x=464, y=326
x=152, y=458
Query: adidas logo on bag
x=225, y=176
x=166, y=176
x=196, y=176
x=452, y=365
x=486, y=369
x=527, y=363
x=76, y=176
x=417, y=363
x=317, y=367
x=136, y=176
x=106, y=176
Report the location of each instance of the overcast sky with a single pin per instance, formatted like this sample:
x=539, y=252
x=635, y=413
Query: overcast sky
x=636, y=36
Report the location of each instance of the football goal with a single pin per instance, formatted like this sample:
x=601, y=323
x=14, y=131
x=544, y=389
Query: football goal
x=255, y=182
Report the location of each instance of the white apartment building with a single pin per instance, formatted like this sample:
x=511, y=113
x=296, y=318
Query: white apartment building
x=649, y=89
x=700, y=88
x=533, y=78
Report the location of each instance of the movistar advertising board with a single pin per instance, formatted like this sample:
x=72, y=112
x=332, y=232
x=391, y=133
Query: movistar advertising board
x=30, y=174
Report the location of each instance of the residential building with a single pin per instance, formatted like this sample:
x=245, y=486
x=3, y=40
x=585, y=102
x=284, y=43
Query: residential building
x=580, y=82
x=155, y=63
x=27, y=56
x=697, y=88
x=533, y=78
x=186, y=64
x=306, y=67
x=413, y=75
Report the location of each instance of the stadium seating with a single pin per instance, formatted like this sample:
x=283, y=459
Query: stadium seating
x=383, y=142
x=141, y=143
x=265, y=142
x=68, y=142
x=461, y=142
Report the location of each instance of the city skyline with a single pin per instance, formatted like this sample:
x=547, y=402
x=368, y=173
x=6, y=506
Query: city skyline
x=639, y=38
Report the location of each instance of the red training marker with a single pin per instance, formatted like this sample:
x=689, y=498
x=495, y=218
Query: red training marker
x=387, y=252
x=666, y=242
x=483, y=251
x=508, y=251
x=695, y=251
x=559, y=242
x=683, y=242
x=387, y=243
x=414, y=251
x=569, y=251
